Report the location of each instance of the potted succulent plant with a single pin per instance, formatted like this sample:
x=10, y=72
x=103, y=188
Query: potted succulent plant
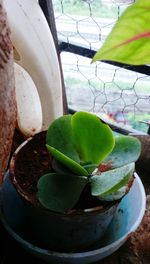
x=65, y=194
x=66, y=183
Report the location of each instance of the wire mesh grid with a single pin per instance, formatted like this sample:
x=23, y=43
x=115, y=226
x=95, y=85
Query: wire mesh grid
x=121, y=95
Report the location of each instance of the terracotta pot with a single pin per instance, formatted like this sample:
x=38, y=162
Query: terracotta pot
x=73, y=231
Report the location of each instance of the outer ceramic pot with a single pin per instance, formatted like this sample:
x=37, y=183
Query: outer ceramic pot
x=62, y=232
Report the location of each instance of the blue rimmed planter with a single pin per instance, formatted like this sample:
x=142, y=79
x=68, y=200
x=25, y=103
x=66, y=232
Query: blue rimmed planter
x=73, y=231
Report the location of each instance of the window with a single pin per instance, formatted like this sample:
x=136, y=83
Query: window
x=113, y=92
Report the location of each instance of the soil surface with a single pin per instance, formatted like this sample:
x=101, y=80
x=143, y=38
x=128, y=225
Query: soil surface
x=30, y=164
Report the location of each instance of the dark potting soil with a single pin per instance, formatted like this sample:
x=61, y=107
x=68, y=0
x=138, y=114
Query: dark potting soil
x=32, y=162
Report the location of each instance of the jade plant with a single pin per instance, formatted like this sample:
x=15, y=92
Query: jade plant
x=85, y=152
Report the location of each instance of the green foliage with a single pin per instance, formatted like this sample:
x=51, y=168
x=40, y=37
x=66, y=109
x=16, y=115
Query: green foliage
x=127, y=43
x=126, y=150
x=110, y=181
x=60, y=192
x=78, y=144
x=89, y=134
x=59, y=136
x=113, y=196
x=66, y=161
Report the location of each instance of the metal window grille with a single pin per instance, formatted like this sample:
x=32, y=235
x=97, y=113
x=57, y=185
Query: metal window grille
x=116, y=92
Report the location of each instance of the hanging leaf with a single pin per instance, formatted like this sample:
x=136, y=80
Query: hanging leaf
x=59, y=136
x=127, y=149
x=129, y=41
x=60, y=193
x=111, y=181
x=68, y=162
x=93, y=139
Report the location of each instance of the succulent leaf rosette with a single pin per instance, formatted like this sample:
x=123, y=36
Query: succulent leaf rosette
x=85, y=152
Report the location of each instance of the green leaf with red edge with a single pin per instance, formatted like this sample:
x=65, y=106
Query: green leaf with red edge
x=115, y=195
x=127, y=149
x=129, y=40
x=111, y=181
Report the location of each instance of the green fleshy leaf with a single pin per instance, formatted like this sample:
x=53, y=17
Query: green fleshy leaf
x=60, y=193
x=93, y=139
x=60, y=168
x=59, y=136
x=90, y=168
x=129, y=42
x=68, y=162
x=127, y=149
x=113, y=196
x=111, y=181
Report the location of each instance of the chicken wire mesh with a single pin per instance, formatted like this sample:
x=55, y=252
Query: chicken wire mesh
x=114, y=93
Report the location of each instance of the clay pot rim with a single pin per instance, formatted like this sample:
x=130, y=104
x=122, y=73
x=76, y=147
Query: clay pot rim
x=73, y=212
x=12, y=166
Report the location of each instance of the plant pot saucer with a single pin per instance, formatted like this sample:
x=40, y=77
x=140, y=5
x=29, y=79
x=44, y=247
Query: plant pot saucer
x=126, y=220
